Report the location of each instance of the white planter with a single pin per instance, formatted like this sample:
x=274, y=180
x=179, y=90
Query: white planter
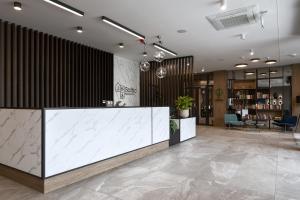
x=184, y=113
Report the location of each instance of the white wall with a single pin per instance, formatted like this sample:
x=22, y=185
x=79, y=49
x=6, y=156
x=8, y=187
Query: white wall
x=126, y=81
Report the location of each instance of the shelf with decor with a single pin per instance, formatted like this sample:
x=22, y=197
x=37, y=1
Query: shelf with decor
x=263, y=95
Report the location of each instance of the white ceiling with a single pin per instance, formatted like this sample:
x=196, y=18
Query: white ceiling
x=214, y=50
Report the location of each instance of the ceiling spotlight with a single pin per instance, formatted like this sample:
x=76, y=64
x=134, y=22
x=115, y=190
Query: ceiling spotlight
x=292, y=55
x=251, y=52
x=123, y=28
x=249, y=73
x=187, y=64
x=79, y=29
x=145, y=54
x=17, y=6
x=223, y=4
x=255, y=60
x=263, y=74
x=121, y=45
x=65, y=7
x=273, y=72
x=241, y=65
x=243, y=36
x=203, y=69
x=164, y=49
x=271, y=62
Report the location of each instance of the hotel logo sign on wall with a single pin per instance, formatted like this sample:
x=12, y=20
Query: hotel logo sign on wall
x=123, y=90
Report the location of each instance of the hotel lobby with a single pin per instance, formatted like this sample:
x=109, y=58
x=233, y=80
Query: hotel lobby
x=134, y=100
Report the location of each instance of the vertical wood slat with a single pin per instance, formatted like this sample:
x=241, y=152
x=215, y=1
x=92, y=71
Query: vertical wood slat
x=20, y=102
x=39, y=70
x=14, y=72
x=7, y=64
x=179, y=76
x=2, y=64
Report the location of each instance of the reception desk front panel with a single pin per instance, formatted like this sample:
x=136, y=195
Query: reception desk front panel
x=78, y=137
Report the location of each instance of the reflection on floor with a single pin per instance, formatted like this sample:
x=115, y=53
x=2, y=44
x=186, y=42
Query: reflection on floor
x=218, y=164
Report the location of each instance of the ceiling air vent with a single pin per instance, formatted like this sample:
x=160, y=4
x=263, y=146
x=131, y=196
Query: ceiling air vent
x=234, y=18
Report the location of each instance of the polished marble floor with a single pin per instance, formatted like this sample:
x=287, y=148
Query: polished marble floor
x=218, y=164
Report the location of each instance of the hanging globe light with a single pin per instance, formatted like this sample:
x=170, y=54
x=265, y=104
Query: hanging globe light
x=161, y=72
x=159, y=56
x=144, y=66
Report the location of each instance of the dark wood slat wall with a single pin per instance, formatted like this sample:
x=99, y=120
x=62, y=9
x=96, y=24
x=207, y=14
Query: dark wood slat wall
x=38, y=70
x=163, y=92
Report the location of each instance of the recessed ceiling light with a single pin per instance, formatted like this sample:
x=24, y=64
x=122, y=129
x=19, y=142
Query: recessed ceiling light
x=263, y=74
x=123, y=28
x=273, y=72
x=241, y=65
x=223, y=5
x=181, y=31
x=254, y=60
x=121, y=45
x=271, y=62
x=249, y=73
x=187, y=64
x=145, y=54
x=203, y=69
x=79, y=29
x=17, y=6
x=65, y=7
x=251, y=52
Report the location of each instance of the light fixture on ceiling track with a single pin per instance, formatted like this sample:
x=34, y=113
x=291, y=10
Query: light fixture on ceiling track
x=270, y=62
x=79, y=29
x=65, y=7
x=122, y=28
x=249, y=73
x=164, y=49
x=273, y=72
x=255, y=60
x=241, y=65
x=223, y=5
x=251, y=52
x=17, y=6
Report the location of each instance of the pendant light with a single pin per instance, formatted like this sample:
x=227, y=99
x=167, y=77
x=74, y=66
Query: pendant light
x=161, y=72
x=144, y=66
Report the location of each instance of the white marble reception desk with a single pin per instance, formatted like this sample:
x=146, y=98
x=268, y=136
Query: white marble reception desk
x=49, y=142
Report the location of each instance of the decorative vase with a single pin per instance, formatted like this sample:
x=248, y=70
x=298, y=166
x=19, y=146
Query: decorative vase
x=184, y=113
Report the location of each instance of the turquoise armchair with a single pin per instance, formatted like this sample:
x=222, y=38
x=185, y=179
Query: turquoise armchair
x=232, y=120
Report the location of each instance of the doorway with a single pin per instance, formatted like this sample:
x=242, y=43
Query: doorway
x=202, y=92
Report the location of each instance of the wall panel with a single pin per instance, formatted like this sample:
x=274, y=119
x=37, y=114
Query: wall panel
x=40, y=70
x=163, y=92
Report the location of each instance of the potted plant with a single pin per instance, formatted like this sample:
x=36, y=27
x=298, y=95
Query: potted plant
x=184, y=104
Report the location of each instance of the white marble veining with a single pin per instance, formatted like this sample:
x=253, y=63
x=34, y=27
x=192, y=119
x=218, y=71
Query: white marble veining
x=160, y=124
x=20, y=139
x=127, y=73
x=187, y=128
x=77, y=137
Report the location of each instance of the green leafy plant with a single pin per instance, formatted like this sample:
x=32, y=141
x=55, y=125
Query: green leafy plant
x=184, y=102
x=173, y=126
